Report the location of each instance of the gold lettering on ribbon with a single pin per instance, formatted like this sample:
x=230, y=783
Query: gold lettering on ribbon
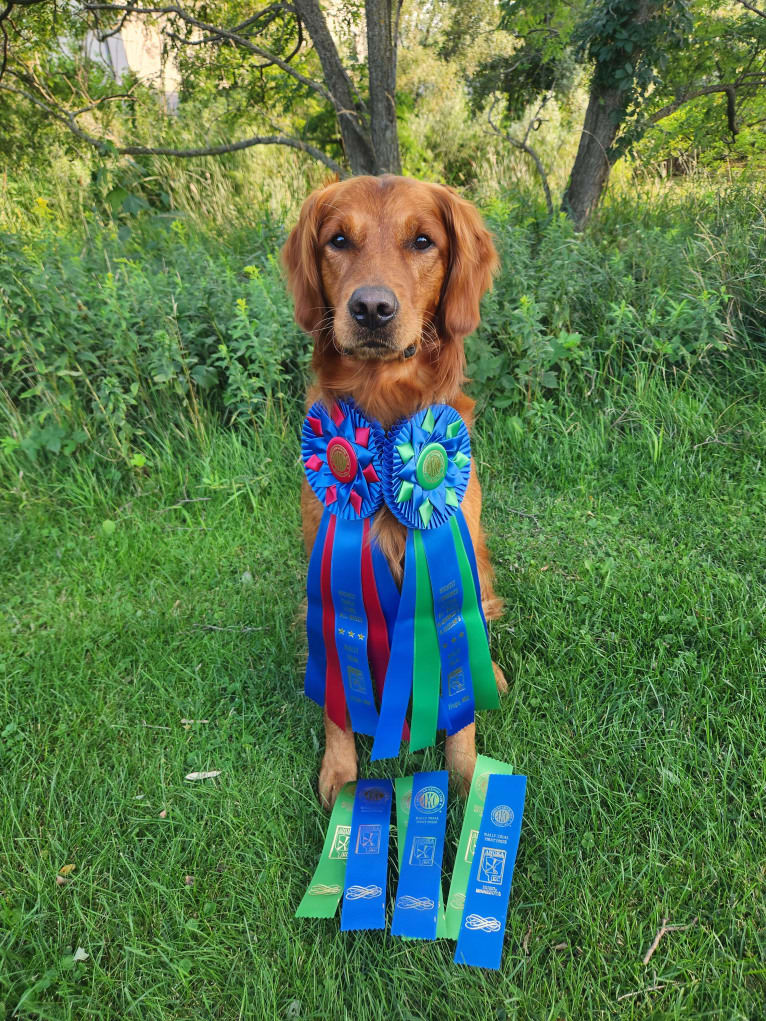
x=339, y=460
x=433, y=465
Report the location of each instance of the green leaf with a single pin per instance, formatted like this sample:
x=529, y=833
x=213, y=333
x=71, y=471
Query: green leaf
x=116, y=197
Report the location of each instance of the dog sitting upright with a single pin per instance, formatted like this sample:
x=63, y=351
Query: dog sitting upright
x=386, y=274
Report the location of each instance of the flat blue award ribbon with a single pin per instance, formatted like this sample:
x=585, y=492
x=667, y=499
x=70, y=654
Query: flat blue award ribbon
x=403, y=793
x=388, y=593
x=420, y=874
x=316, y=666
x=457, y=703
x=480, y=941
x=396, y=693
x=465, y=535
x=351, y=625
x=364, y=892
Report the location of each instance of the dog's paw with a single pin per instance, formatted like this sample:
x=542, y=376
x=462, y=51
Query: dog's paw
x=461, y=770
x=500, y=681
x=335, y=772
x=460, y=753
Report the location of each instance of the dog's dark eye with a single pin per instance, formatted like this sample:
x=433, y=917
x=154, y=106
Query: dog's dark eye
x=339, y=241
x=421, y=242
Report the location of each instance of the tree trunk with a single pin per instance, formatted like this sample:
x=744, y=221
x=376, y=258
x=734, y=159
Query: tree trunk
x=382, y=30
x=349, y=108
x=606, y=107
x=592, y=163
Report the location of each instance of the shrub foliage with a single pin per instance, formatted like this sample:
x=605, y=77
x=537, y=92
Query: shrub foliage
x=109, y=341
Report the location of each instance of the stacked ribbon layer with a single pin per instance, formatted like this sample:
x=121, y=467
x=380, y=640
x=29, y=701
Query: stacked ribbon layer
x=354, y=860
x=352, y=598
x=429, y=644
x=440, y=653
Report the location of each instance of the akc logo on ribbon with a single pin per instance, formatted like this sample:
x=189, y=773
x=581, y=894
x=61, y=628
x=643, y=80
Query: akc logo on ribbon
x=429, y=800
x=502, y=815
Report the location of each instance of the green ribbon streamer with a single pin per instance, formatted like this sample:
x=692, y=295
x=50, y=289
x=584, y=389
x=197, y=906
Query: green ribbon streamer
x=326, y=887
x=426, y=667
x=403, y=788
x=485, y=694
x=468, y=834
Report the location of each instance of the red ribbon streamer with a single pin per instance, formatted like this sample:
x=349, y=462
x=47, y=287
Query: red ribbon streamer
x=378, y=649
x=377, y=633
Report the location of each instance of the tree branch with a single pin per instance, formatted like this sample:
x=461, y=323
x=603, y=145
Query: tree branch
x=220, y=33
x=670, y=108
x=218, y=36
x=525, y=147
x=67, y=118
x=750, y=7
x=335, y=74
x=5, y=14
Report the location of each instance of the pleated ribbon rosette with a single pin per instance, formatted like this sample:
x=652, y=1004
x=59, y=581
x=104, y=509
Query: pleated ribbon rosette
x=352, y=598
x=439, y=648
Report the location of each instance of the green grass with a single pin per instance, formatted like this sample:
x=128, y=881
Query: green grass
x=628, y=540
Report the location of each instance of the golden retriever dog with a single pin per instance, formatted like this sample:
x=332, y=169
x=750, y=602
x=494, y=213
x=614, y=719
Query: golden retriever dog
x=386, y=274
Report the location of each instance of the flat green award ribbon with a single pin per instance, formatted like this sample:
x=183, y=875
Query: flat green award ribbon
x=326, y=887
x=484, y=684
x=403, y=788
x=468, y=834
x=426, y=668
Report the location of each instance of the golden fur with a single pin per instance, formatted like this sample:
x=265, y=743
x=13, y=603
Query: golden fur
x=415, y=360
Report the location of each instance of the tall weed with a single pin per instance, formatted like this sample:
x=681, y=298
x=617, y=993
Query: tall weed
x=142, y=320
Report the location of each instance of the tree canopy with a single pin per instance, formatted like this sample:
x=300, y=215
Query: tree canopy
x=659, y=79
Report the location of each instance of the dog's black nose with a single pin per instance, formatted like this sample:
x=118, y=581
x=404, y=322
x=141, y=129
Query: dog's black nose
x=373, y=307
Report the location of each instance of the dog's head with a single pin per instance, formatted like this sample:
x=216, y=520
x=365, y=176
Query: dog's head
x=381, y=268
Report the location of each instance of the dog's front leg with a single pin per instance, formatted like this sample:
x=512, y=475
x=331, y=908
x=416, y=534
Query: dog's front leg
x=460, y=754
x=339, y=764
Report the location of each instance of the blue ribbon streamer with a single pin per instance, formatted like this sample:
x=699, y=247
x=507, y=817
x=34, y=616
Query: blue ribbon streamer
x=456, y=706
x=417, y=894
x=388, y=593
x=351, y=624
x=480, y=941
x=471, y=553
x=398, y=686
x=364, y=892
x=316, y=667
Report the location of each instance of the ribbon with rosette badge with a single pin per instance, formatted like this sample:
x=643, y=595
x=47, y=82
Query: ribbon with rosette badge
x=352, y=597
x=439, y=649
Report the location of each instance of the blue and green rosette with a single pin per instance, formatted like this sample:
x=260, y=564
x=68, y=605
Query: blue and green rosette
x=439, y=648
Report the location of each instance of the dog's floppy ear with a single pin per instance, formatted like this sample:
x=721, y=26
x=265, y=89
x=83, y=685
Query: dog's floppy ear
x=300, y=257
x=472, y=261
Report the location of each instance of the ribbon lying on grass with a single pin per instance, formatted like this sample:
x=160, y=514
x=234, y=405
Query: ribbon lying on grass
x=364, y=890
x=323, y=895
x=469, y=833
x=418, y=907
x=480, y=940
x=440, y=631
x=352, y=598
